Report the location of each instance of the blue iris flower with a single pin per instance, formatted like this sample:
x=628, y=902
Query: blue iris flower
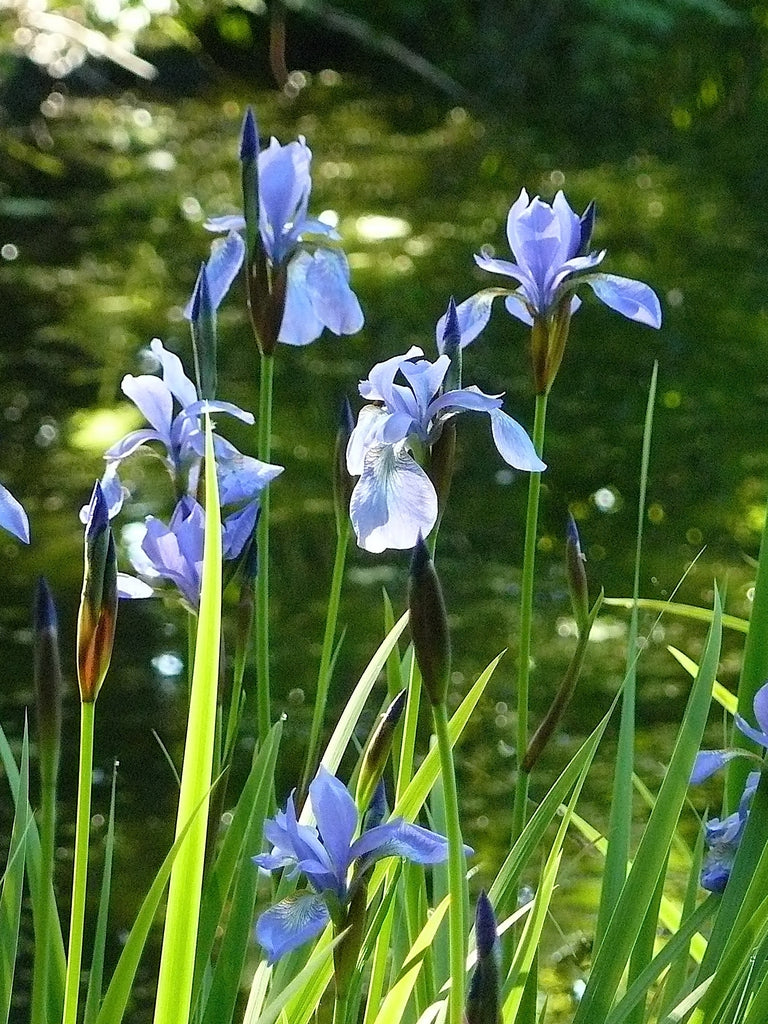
x=722, y=838
x=709, y=761
x=549, y=244
x=175, y=413
x=318, y=293
x=13, y=518
x=332, y=860
x=394, y=500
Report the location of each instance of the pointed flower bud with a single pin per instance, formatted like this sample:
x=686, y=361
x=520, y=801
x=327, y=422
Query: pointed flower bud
x=483, y=998
x=377, y=752
x=203, y=324
x=249, y=140
x=47, y=680
x=343, y=482
x=587, y=225
x=429, y=624
x=249, y=160
x=451, y=347
x=577, y=575
x=98, y=602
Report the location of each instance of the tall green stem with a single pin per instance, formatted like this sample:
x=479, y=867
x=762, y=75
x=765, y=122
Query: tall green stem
x=526, y=618
x=43, y=936
x=263, y=700
x=326, y=655
x=80, y=874
x=457, y=872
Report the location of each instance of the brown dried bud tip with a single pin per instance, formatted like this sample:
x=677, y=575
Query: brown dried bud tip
x=429, y=624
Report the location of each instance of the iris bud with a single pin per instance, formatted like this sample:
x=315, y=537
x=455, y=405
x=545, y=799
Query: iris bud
x=587, y=225
x=483, y=997
x=97, y=616
x=48, y=681
x=377, y=752
x=451, y=347
x=577, y=575
x=429, y=624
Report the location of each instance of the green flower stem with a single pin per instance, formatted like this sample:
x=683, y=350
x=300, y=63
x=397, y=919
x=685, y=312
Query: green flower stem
x=526, y=617
x=340, y=1009
x=457, y=871
x=80, y=874
x=326, y=657
x=263, y=701
x=43, y=933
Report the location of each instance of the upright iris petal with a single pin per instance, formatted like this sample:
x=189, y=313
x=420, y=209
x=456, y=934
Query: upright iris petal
x=325, y=854
x=394, y=500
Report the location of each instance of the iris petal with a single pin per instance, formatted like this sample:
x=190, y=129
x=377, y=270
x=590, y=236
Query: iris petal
x=336, y=817
x=632, y=299
x=393, y=501
x=290, y=923
x=13, y=518
x=513, y=443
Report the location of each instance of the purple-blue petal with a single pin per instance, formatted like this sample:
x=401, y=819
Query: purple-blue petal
x=13, y=518
x=228, y=222
x=174, y=377
x=756, y=735
x=238, y=529
x=633, y=299
x=153, y=399
x=332, y=299
x=133, y=441
x=472, y=315
x=290, y=923
x=336, y=816
x=513, y=443
x=131, y=588
x=760, y=707
x=301, y=325
x=710, y=761
x=393, y=501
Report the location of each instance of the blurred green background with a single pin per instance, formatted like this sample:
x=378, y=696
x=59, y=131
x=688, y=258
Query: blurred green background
x=120, y=125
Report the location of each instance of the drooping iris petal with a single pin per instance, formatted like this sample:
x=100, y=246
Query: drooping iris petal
x=332, y=299
x=176, y=550
x=513, y=443
x=398, y=838
x=756, y=735
x=226, y=258
x=473, y=314
x=130, y=588
x=13, y=518
x=365, y=433
x=300, y=325
x=238, y=529
x=336, y=816
x=633, y=299
x=710, y=761
x=242, y=477
x=760, y=706
x=393, y=501
x=290, y=923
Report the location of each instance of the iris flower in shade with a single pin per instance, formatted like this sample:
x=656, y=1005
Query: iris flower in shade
x=317, y=291
x=13, y=518
x=394, y=500
x=332, y=860
x=709, y=761
x=722, y=838
x=550, y=245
